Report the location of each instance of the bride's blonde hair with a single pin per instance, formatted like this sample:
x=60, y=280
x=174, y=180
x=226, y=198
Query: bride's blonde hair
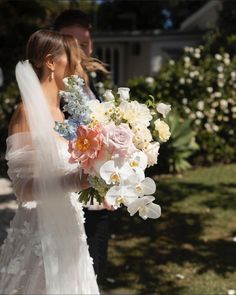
x=44, y=42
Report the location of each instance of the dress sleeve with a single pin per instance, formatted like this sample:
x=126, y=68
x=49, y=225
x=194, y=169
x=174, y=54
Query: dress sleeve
x=20, y=156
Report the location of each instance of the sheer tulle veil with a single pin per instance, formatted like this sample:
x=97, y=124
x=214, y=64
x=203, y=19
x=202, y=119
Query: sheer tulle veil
x=57, y=221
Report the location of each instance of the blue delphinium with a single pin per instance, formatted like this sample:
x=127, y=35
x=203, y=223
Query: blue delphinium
x=75, y=99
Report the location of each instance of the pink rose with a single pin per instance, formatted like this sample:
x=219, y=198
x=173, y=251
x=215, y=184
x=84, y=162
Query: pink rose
x=119, y=139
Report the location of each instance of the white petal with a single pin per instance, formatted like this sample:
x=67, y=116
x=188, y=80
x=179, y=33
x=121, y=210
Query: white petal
x=154, y=211
x=134, y=206
x=163, y=109
x=148, y=186
x=106, y=171
x=122, y=194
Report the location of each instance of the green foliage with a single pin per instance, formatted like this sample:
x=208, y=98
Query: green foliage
x=8, y=101
x=181, y=146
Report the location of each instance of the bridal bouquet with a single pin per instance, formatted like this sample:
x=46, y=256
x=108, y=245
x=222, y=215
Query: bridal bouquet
x=113, y=143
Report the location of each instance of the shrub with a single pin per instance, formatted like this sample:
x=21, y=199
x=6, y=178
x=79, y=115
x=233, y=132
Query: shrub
x=200, y=86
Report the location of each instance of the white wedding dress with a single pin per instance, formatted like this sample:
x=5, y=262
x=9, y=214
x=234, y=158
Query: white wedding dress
x=21, y=260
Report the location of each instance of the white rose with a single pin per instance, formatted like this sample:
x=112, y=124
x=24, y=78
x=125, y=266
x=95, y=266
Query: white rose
x=217, y=94
x=152, y=152
x=149, y=80
x=163, y=109
x=124, y=93
x=220, y=83
x=226, y=61
x=198, y=122
x=209, y=89
x=163, y=130
x=233, y=75
x=191, y=74
x=199, y=114
x=189, y=81
x=233, y=109
x=218, y=56
x=108, y=95
x=220, y=69
x=200, y=105
x=224, y=103
x=215, y=128
x=186, y=59
x=215, y=104
x=182, y=81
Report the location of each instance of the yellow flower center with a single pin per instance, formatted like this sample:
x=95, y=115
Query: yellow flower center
x=120, y=200
x=138, y=188
x=82, y=144
x=134, y=164
x=115, y=177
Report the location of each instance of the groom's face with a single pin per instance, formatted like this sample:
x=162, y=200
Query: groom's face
x=82, y=35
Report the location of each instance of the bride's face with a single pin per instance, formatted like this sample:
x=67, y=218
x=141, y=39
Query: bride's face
x=61, y=70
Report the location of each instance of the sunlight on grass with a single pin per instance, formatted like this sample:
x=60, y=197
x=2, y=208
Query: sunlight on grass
x=190, y=249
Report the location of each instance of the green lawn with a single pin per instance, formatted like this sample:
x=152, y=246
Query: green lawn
x=190, y=249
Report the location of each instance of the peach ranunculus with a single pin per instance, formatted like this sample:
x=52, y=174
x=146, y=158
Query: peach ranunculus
x=119, y=140
x=88, y=147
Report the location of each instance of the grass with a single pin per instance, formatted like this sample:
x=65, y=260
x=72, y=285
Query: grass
x=190, y=249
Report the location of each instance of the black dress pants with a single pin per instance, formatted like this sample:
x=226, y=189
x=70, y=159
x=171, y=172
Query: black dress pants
x=97, y=231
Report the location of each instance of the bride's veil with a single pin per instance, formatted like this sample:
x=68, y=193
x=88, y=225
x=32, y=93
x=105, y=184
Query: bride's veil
x=57, y=221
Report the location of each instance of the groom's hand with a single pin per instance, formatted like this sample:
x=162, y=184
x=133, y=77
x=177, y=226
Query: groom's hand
x=107, y=205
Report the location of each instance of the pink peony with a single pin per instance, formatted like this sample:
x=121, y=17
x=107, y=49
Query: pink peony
x=119, y=139
x=88, y=147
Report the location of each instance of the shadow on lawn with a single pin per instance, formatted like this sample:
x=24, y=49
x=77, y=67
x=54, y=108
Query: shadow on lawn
x=144, y=248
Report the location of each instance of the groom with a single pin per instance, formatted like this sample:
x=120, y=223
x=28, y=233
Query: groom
x=77, y=24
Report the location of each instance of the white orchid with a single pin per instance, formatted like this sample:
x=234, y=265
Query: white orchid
x=124, y=93
x=122, y=194
x=143, y=186
x=138, y=161
x=115, y=171
x=145, y=207
x=163, y=109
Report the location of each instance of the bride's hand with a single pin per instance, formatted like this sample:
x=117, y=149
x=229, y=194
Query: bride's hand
x=84, y=181
x=107, y=205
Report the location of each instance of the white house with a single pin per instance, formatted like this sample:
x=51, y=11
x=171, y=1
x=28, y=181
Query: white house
x=135, y=53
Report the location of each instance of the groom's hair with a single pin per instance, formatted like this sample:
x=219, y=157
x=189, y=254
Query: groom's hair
x=72, y=17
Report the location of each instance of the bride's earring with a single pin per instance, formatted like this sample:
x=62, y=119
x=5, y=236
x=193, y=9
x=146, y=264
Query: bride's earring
x=52, y=75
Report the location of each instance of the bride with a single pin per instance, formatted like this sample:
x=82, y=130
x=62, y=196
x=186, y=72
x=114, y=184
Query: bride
x=45, y=251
